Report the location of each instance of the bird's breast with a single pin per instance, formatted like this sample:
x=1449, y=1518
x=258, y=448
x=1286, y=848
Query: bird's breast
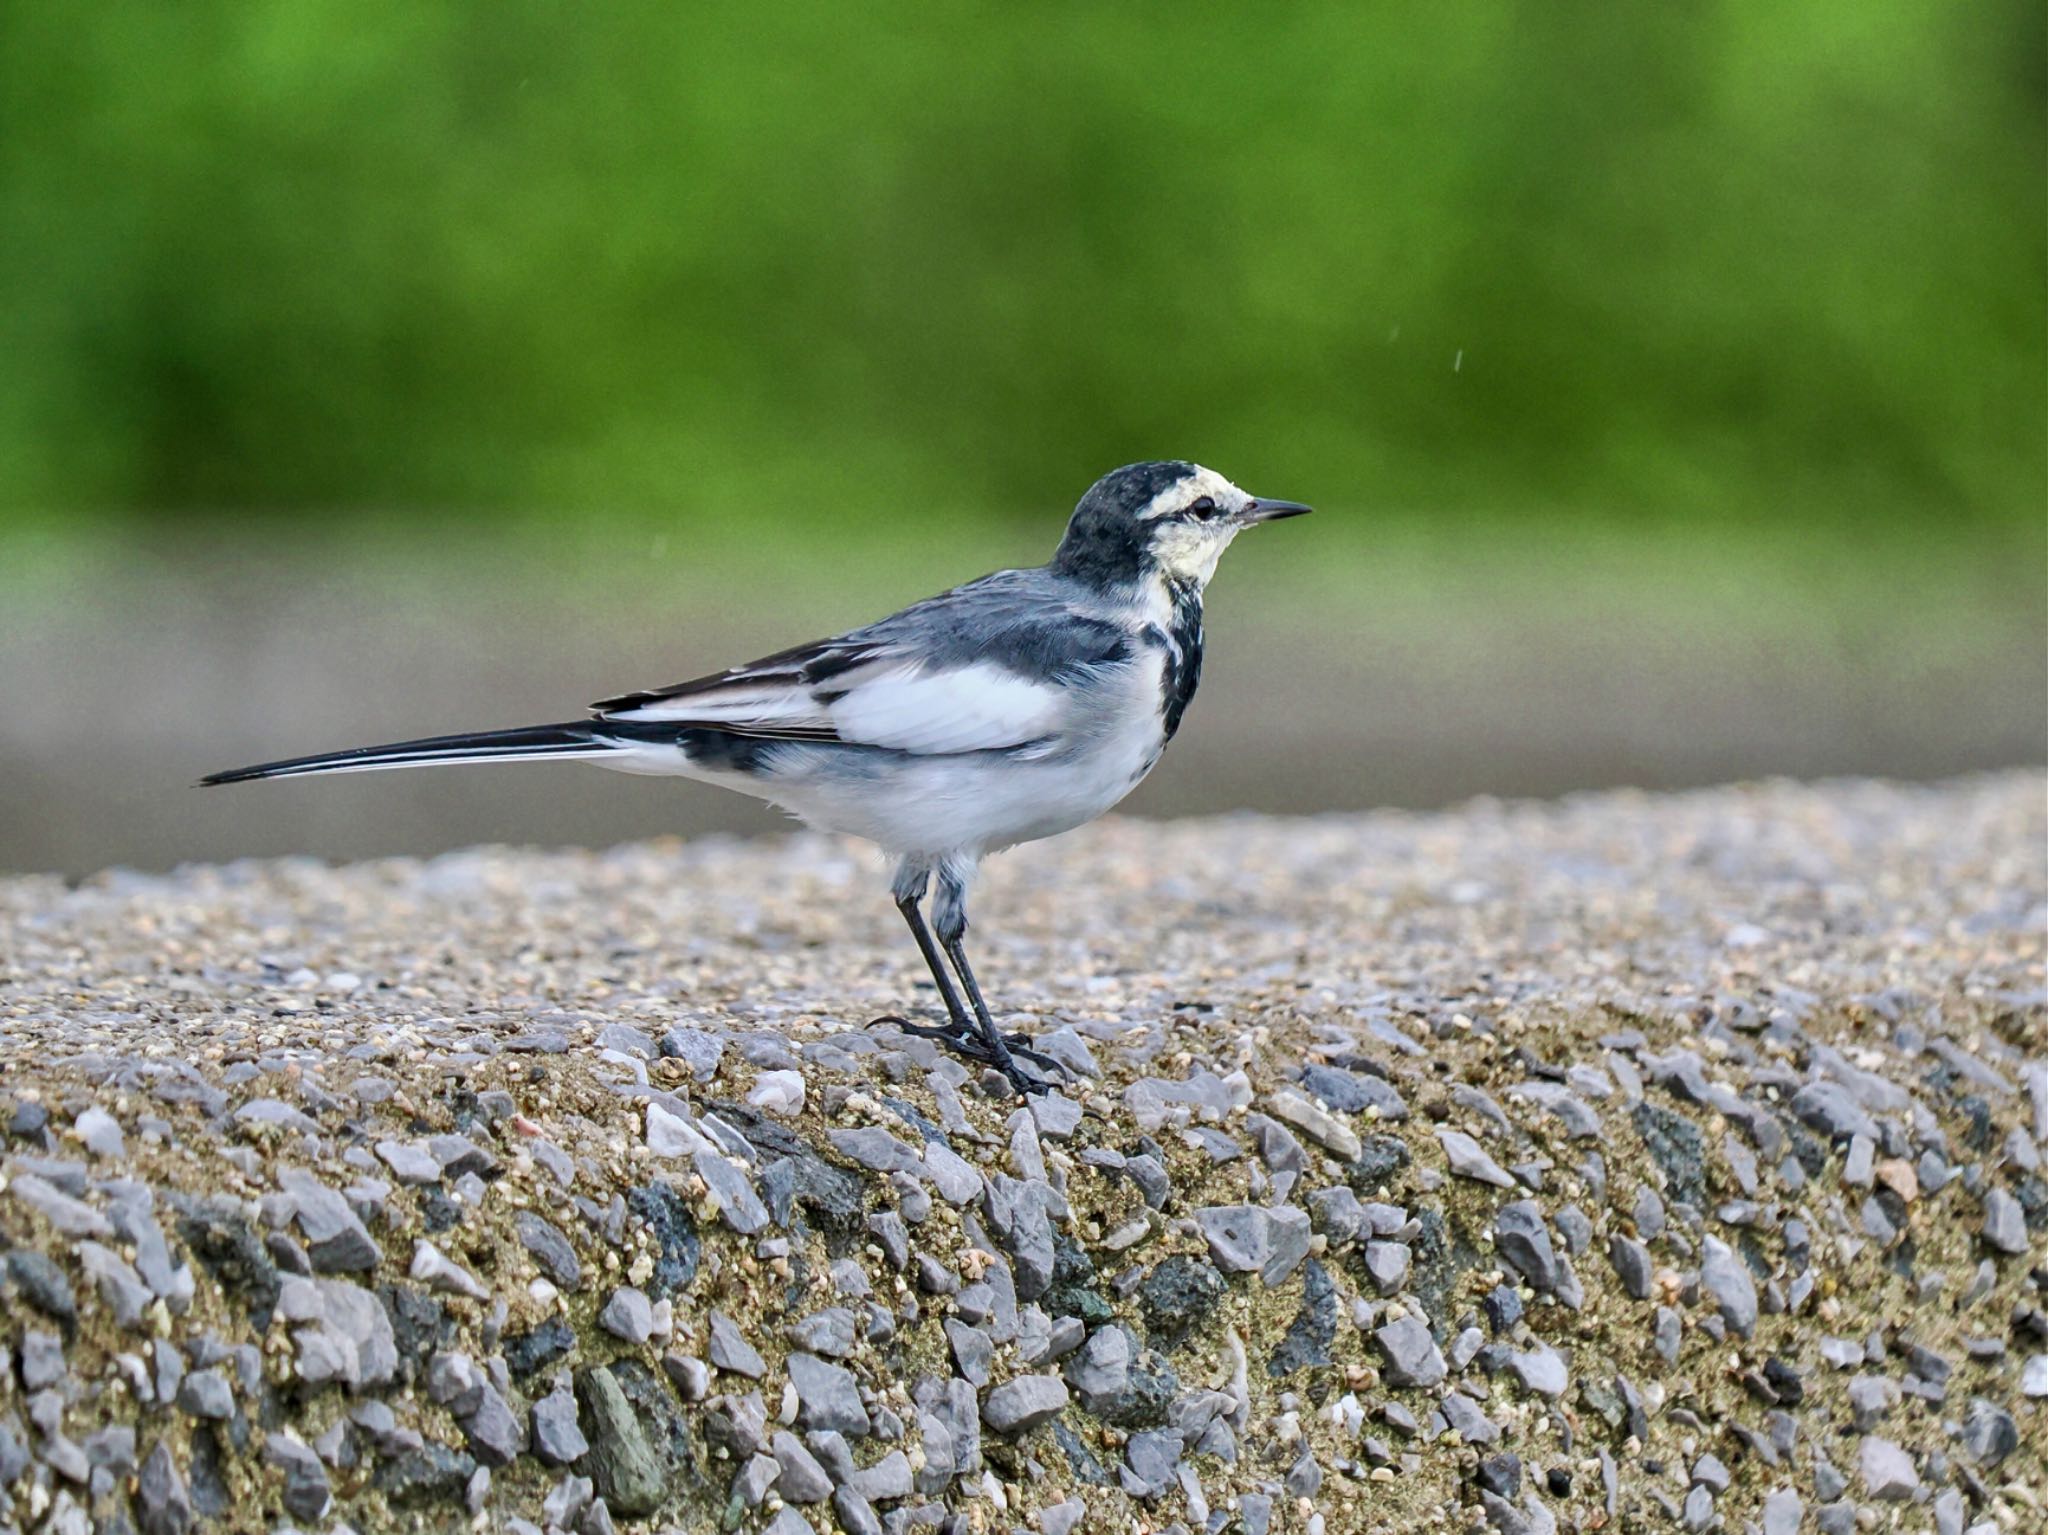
x=1175, y=634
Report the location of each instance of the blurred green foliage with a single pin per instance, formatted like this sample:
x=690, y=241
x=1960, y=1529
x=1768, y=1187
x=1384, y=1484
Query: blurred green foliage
x=1722, y=259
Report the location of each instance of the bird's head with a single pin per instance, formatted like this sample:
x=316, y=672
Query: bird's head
x=1171, y=520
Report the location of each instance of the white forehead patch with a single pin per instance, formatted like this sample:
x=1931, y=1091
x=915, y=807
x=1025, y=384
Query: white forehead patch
x=1191, y=488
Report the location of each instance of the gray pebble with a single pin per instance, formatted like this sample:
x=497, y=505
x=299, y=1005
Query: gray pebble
x=2005, y=1223
x=731, y=1352
x=802, y=1479
x=1726, y=1278
x=550, y=1250
x=827, y=1396
x=1020, y=1404
x=1411, y=1354
x=557, y=1437
x=1521, y=1236
x=1888, y=1473
x=1387, y=1265
x=1468, y=1159
x=628, y=1315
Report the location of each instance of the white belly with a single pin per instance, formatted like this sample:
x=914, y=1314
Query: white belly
x=975, y=804
x=971, y=802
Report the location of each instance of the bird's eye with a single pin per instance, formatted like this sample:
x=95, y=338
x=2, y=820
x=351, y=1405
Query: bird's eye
x=1204, y=508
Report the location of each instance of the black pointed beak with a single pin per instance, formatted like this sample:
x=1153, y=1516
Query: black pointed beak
x=1263, y=510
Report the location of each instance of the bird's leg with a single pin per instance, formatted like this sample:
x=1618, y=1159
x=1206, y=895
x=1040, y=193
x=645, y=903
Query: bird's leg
x=949, y=911
x=909, y=889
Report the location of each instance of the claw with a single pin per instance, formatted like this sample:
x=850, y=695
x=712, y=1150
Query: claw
x=951, y=1035
x=971, y=1046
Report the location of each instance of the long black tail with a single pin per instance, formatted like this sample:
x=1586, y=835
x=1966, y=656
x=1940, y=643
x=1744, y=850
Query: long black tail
x=579, y=738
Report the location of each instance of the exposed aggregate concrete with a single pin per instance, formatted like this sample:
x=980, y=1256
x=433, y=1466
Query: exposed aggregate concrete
x=1625, y=1163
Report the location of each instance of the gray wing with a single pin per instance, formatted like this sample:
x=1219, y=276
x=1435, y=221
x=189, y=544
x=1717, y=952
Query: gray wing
x=991, y=666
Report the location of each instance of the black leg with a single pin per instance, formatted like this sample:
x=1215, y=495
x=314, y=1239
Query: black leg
x=907, y=904
x=949, y=909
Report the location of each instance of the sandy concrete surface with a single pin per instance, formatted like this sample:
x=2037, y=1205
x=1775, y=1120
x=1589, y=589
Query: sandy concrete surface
x=1625, y=1162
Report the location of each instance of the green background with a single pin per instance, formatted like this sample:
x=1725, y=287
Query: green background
x=1740, y=305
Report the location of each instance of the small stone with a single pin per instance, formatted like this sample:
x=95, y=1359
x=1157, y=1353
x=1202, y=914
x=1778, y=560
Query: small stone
x=827, y=1396
x=689, y=1375
x=1828, y=1483
x=1698, y=1510
x=164, y=1503
x=831, y=1332
x=1178, y=1295
x=1726, y=1278
x=100, y=1133
x=42, y=1284
x=801, y=1479
x=886, y=1480
x=1021, y=1404
x=780, y=1093
x=1521, y=1236
x=336, y=1239
x=875, y=1149
x=1354, y=1092
x=670, y=1135
x=1500, y=1475
x=2005, y=1223
x=739, y=1206
x=550, y=1250
x=455, y=1382
x=342, y=1332
x=623, y=1464
x=42, y=1359
x=1989, y=1432
x=700, y=1051
x=1412, y=1356
x=72, y=1217
x=433, y=1268
x=1503, y=1308
x=1151, y=1461
x=1888, y=1473
x=1631, y=1260
x=1467, y=1421
x=1387, y=1264
x=493, y=1433
x=1320, y=1126
x=731, y=1352
x=1542, y=1370
x=1842, y=1353
x=207, y=1394
x=756, y=1475
x=1870, y=1398
x=1828, y=1108
x=1468, y=1159
x=557, y=1437
x=1336, y=1213
x=972, y=1349
x=628, y=1315
x=1243, y=1238
x=1783, y=1512
x=856, y=1516
x=410, y=1162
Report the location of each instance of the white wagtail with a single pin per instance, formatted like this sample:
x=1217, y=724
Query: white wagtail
x=1012, y=708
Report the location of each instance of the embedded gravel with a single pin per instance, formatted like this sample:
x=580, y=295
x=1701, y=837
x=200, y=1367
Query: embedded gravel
x=1631, y=1161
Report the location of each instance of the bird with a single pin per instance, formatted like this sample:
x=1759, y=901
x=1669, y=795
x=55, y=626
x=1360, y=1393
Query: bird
x=1013, y=708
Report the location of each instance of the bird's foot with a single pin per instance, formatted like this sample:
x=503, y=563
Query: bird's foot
x=970, y=1045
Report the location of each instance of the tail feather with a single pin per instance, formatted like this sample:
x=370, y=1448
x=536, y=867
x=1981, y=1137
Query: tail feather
x=580, y=738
